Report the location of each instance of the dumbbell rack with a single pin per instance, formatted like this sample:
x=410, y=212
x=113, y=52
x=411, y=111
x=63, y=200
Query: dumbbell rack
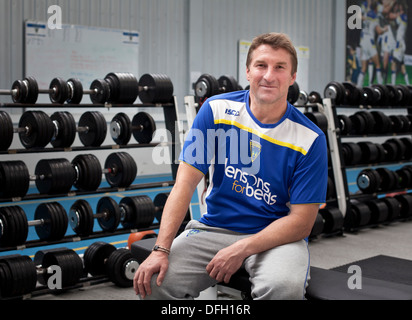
x=170, y=112
x=337, y=158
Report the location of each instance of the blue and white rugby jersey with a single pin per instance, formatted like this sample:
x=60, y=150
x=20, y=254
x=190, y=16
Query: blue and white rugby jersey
x=256, y=170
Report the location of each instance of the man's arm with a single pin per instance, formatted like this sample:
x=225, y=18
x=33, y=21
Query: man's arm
x=173, y=215
x=294, y=227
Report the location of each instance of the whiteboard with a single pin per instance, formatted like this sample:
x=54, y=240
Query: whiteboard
x=76, y=51
x=302, y=77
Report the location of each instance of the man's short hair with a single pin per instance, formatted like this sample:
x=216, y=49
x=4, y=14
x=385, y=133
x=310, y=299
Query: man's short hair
x=276, y=41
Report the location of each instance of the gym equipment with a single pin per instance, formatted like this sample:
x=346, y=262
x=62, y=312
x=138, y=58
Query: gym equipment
x=305, y=98
x=119, y=265
x=293, y=93
x=207, y=85
x=119, y=88
x=137, y=236
x=342, y=93
x=81, y=216
x=50, y=223
x=140, y=211
x=142, y=127
x=36, y=129
x=57, y=176
x=92, y=129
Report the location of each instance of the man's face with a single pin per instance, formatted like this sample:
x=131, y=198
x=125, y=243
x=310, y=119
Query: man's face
x=270, y=74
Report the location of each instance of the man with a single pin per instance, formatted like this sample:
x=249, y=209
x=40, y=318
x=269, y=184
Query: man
x=268, y=175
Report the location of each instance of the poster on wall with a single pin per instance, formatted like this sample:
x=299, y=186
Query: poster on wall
x=379, y=42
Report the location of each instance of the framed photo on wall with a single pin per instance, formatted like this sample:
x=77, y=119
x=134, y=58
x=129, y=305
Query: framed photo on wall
x=379, y=42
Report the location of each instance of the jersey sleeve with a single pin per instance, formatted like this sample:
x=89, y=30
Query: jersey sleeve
x=309, y=182
x=198, y=148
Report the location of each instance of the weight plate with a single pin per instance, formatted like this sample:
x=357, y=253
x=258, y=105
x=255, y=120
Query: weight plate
x=32, y=90
x=111, y=209
x=19, y=89
x=206, y=86
x=20, y=274
x=383, y=92
x=394, y=208
x=139, y=212
x=81, y=218
x=293, y=93
x=88, y=172
x=143, y=127
x=379, y=211
x=227, y=84
x=95, y=257
x=14, y=179
x=39, y=129
x=70, y=264
x=6, y=131
x=65, y=129
x=382, y=122
x=123, y=170
x=55, y=176
x=59, y=92
x=55, y=221
x=121, y=267
x=405, y=201
x=335, y=91
x=96, y=125
x=368, y=181
x=318, y=226
x=75, y=88
x=120, y=129
x=333, y=219
x=14, y=228
x=352, y=93
x=319, y=119
x=155, y=88
x=159, y=202
x=370, y=152
x=345, y=124
x=100, y=91
x=124, y=88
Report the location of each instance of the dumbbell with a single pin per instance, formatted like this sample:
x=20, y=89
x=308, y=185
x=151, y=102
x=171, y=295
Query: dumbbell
x=207, y=85
x=119, y=265
x=35, y=129
x=81, y=216
x=358, y=216
x=119, y=169
x=342, y=93
x=123, y=88
x=57, y=176
x=305, y=98
x=140, y=211
x=319, y=119
x=329, y=220
x=399, y=95
x=405, y=202
x=27, y=91
x=19, y=274
x=92, y=129
x=23, y=91
x=293, y=93
x=363, y=122
x=50, y=222
x=142, y=127
x=52, y=176
x=381, y=179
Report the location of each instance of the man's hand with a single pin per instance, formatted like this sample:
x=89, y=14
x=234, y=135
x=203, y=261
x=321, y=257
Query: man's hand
x=156, y=262
x=225, y=263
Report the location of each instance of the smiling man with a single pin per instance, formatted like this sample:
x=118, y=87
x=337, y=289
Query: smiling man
x=260, y=208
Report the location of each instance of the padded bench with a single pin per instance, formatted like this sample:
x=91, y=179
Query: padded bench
x=323, y=285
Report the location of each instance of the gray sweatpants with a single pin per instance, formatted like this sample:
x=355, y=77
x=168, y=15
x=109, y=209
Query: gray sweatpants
x=279, y=273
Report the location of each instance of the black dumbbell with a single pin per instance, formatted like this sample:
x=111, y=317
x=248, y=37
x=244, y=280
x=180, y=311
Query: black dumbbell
x=207, y=85
x=319, y=119
x=142, y=127
x=343, y=93
x=123, y=88
x=119, y=265
x=35, y=129
x=50, y=221
x=81, y=216
x=293, y=93
x=305, y=98
x=27, y=91
x=23, y=91
x=119, y=169
x=18, y=276
x=92, y=129
x=52, y=176
x=140, y=211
